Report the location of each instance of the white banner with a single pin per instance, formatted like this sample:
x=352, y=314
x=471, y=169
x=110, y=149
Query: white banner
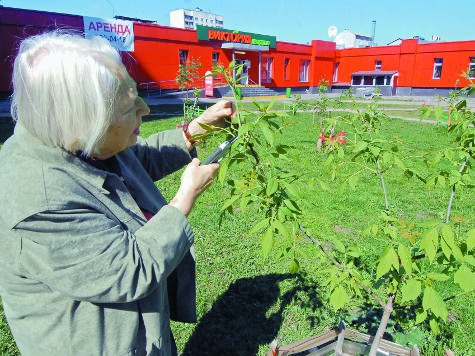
x=119, y=33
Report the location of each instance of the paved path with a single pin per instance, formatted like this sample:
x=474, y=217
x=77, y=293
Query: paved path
x=409, y=100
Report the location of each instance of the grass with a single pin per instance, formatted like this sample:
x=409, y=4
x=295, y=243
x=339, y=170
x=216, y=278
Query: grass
x=245, y=301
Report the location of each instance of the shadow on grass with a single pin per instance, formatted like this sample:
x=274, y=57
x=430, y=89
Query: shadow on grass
x=245, y=316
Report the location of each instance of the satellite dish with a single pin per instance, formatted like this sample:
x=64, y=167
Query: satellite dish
x=332, y=31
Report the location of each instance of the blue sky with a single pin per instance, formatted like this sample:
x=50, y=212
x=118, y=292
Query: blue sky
x=297, y=21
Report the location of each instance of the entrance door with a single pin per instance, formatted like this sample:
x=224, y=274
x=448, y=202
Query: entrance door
x=394, y=85
x=244, y=80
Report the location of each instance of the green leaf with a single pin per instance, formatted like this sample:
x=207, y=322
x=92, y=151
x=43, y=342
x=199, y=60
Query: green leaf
x=294, y=266
x=339, y=297
x=405, y=257
x=430, y=243
x=338, y=245
x=292, y=190
x=271, y=104
x=245, y=128
x=465, y=278
x=244, y=202
x=354, y=251
x=410, y=290
x=223, y=170
x=438, y=111
x=448, y=235
x=433, y=301
x=399, y=163
x=387, y=260
x=238, y=71
x=461, y=104
x=291, y=205
x=269, y=136
x=421, y=315
x=375, y=150
x=272, y=186
x=445, y=249
x=281, y=228
x=434, y=326
x=387, y=157
x=470, y=239
x=329, y=160
x=360, y=146
x=341, y=152
x=352, y=181
x=441, y=180
x=229, y=202
x=267, y=242
x=437, y=276
x=260, y=225
x=469, y=259
x=325, y=187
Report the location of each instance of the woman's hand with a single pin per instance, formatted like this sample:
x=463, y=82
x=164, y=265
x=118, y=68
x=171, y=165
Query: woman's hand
x=214, y=116
x=194, y=181
x=217, y=114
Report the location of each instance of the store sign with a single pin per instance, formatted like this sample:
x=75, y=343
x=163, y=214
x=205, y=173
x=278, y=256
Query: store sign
x=219, y=34
x=119, y=33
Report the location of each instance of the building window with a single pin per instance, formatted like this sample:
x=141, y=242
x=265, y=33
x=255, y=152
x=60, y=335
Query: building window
x=183, y=53
x=380, y=80
x=471, y=68
x=215, y=58
x=356, y=80
x=437, y=73
x=303, y=70
x=286, y=68
x=367, y=80
x=266, y=74
x=335, y=72
x=378, y=65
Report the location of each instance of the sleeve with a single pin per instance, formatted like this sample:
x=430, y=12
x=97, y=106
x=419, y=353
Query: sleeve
x=84, y=254
x=163, y=153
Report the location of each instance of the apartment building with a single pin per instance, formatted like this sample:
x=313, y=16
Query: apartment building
x=191, y=18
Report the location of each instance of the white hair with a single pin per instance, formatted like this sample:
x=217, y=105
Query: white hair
x=64, y=89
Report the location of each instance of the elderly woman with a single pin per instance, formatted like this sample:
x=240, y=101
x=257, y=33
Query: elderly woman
x=92, y=258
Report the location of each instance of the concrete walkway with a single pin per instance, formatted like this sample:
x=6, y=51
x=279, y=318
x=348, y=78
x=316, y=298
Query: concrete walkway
x=399, y=100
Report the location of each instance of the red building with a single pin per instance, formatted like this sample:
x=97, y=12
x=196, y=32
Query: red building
x=410, y=68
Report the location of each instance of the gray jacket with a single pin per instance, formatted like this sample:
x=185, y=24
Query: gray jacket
x=82, y=272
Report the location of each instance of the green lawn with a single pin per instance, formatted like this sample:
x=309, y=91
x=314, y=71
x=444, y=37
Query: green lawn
x=245, y=301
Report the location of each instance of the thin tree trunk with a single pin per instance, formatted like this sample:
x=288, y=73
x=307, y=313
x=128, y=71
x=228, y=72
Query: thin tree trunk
x=388, y=309
x=452, y=195
x=383, y=184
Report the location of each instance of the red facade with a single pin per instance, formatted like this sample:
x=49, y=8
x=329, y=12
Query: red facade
x=155, y=60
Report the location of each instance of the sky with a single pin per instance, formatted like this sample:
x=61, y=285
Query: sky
x=298, y=21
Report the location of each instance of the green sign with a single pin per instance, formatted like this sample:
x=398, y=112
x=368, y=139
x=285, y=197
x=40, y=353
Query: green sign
x=222, y=35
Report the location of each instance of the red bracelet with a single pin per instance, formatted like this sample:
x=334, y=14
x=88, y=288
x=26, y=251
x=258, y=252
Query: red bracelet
x=187, y=133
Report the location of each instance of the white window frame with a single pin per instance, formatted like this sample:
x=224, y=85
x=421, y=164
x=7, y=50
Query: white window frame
x=286, y=68
x=471, y=68
x=335, y=72
x=183, y=56
x=267, y=69
x=304, y=67
x=437, y=71
x=378, y=64
x=215, y=58
x=354, y=82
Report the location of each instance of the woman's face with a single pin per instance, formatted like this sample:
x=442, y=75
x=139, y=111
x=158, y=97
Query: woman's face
x=125, y=127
